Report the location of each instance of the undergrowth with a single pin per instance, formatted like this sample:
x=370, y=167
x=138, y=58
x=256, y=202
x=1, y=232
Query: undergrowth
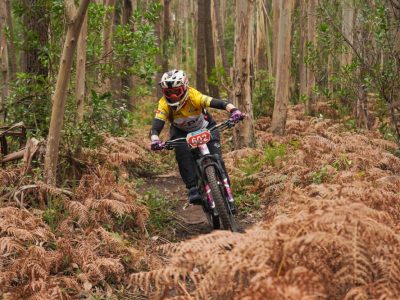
x=333, y=233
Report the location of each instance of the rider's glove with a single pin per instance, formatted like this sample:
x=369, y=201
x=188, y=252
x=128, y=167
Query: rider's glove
x=156, y=145
x=236, y=115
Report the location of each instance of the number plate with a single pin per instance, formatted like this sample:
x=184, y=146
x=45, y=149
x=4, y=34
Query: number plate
x=199, y=137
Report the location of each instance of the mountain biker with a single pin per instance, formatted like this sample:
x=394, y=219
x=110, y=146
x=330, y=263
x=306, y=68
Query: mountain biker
x=185, y=108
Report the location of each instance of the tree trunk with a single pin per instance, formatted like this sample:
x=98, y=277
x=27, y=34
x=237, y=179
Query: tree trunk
x=107, y=43
x=210, y=48
x=362, y=97
x=200, y=75
x=347, y=29
x=187, y=51
x=303, y=51
x=330, y=72
x=260, y=56
x=36, y=37
x=3, y=62
x=268, y=38
x=311, y=37
x=157, y=31
x=275, y=29
x=283, y=69
x=178, y=32
x=12, y=58
x=75, y=19
x=242, y=72
x=128, y=81
x=80, y=91
x=166, y=35
x=220, y=35
x=194, y=34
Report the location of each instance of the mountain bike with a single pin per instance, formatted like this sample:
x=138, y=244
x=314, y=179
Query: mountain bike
x=212, y=181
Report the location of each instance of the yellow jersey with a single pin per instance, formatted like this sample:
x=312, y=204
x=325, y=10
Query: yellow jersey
x=190, y=116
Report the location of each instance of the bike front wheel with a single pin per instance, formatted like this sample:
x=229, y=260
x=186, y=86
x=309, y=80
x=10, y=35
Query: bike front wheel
x=221, y=203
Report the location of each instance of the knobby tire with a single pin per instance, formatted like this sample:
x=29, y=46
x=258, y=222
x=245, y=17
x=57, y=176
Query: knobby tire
x=227, y=219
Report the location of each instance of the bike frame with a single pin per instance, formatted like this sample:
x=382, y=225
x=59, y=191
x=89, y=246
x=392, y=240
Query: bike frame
x=205, y=159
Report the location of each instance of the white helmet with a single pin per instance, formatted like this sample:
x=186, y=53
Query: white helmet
x=174, y=86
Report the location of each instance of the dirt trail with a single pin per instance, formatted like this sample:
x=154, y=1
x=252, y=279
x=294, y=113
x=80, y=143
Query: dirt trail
x=189, y=219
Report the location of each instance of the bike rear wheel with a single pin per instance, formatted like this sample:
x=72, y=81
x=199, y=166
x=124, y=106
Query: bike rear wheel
x=218, y=194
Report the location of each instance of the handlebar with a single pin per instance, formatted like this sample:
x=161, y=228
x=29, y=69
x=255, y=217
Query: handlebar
x=170, y=144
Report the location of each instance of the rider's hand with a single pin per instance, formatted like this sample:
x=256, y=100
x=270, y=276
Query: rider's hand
x=156, y=145
x=236, y=115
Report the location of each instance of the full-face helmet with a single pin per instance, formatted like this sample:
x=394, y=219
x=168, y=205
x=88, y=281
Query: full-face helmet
x=174, y=86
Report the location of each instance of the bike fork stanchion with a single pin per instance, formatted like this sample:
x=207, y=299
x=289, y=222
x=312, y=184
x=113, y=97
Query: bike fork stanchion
x=210, y=200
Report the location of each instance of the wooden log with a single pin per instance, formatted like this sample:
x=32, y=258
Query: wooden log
x=13, y=156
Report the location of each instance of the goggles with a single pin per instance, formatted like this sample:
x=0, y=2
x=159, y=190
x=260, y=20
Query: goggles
x=174, y=94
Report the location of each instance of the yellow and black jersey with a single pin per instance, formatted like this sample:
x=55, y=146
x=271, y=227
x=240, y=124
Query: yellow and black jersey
x=191, y=116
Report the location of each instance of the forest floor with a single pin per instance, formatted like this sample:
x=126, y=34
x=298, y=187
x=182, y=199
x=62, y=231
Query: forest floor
x=188, y=220
x=320, y=205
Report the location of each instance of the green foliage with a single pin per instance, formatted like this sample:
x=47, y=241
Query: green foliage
x=54, y=212
x=138, y=48
x=271, y=153
x=252, y=165
x=219, y=78
x=29, y=101
x=103, y=117
x=160, y=210
x=263, y=95
x=247, y=203
x=342, y=163
x=320, y=176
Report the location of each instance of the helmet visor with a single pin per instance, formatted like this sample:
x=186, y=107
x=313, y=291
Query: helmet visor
x=174, y=94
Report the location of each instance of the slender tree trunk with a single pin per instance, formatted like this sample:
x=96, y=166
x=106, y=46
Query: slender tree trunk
x=157, y=31
x=210, y=48
x=107, y=42
x=283, y=69
x=200, y=73
x=194, y=34
x=166, y=35
x=220, y=35
x=187, y=51
x=37, y=27
x=362, y=97
x=12, y=58
x=80, y=89
x=128, y=81
x=275, y=28
x=311, y=36
x=242, y=72
x=75, y=19
x=260, y=56
x=3, y=62
x=347, y=29
x=303, y=51
x=268, y=38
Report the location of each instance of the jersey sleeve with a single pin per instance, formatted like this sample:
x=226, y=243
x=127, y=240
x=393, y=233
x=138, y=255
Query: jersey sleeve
x=201, y=100
x=162, y=111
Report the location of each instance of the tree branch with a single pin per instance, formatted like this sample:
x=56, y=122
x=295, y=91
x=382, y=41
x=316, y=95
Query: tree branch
x=348, y=42
x=70, y=10
x=80, y=14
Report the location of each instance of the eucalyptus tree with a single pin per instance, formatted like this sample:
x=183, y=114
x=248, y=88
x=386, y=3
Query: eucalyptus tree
x=243, y=71
x=75, y=16
x=283, y=68
x=200, y=57
x=210, y=48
